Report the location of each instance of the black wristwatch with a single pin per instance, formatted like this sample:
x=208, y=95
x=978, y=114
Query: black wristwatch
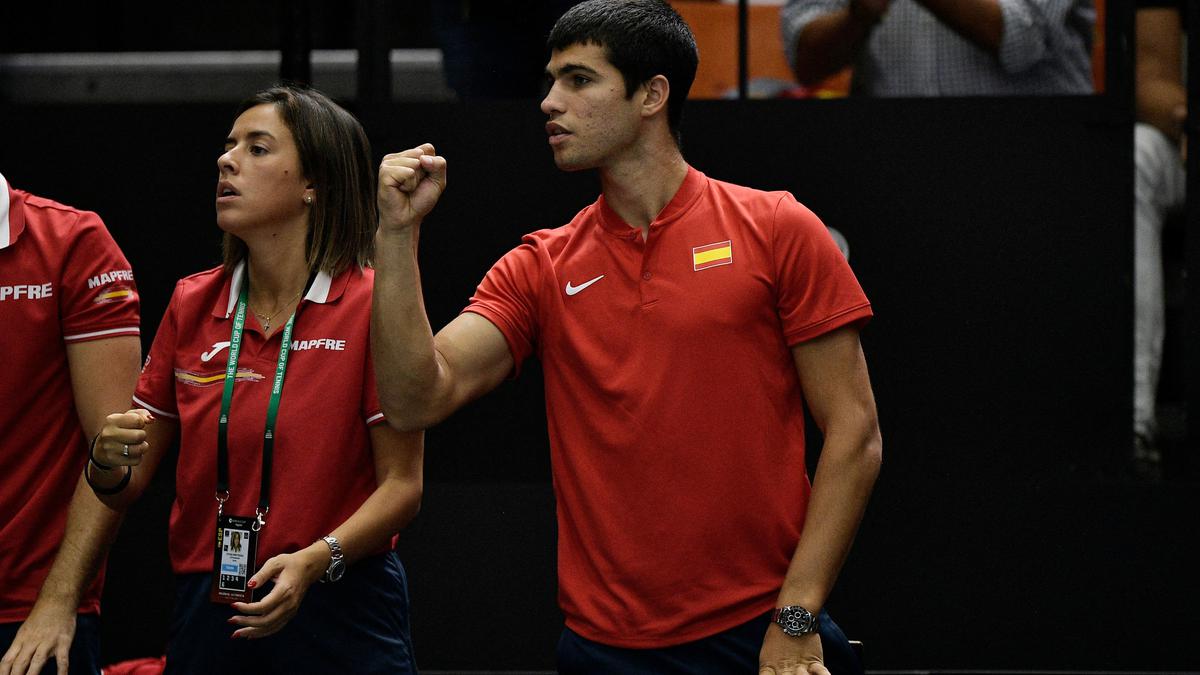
x=795, y=620
x=337, y=561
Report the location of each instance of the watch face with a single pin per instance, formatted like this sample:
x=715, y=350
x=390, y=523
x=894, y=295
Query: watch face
x=796, y=621
x=336, y=570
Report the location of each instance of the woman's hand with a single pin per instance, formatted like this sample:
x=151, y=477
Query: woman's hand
x=292, y=573
x=122, y=440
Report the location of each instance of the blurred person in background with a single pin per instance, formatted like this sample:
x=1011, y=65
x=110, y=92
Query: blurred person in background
x=1160, y=147
x=943, y=47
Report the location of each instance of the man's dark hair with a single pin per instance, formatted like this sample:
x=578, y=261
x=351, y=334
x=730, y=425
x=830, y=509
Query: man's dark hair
x=642, y=38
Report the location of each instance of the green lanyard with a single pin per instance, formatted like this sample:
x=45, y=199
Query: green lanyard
x=235, y=348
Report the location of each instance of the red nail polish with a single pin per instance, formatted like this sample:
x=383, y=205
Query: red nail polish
x=251, y=584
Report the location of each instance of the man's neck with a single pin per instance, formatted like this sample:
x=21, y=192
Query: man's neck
x=639, y=189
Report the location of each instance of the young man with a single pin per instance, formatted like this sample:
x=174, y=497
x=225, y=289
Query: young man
x=682, y=323
x=69, y=311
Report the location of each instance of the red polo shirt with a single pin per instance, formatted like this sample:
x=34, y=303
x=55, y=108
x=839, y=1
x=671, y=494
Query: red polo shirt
x=323, y=466
x=675, y=412
x=62, y=280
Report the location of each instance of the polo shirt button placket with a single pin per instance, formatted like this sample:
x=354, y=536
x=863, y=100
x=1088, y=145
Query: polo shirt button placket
x=649, y=297
x=648, y=250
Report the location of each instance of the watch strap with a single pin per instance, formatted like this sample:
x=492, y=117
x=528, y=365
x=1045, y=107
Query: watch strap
x=335, y=557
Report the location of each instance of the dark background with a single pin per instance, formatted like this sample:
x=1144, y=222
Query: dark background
x=993, y=237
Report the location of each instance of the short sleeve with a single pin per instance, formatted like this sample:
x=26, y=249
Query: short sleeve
x=815, y=288
x=100, y=298
x=507, y=297
x=156, y=386
x=372, y=411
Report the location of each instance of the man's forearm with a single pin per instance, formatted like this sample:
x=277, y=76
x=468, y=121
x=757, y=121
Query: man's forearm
x=842, y=487
x=91, y=528
x=831, y=42
x=980, y=21
x=1163, y=104
x=401, y=338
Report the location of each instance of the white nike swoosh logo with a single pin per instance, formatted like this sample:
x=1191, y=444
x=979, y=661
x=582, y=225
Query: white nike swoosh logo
x=572, y=290
x=216, y=349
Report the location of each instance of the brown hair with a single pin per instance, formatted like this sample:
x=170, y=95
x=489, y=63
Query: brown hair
x=335, y=156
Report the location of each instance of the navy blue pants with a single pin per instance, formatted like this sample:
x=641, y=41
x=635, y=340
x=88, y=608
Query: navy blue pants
x=356, y=625
x=729, y=653
x=85, y=648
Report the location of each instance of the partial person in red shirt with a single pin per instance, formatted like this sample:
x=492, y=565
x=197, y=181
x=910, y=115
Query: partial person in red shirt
x=69, y=312
x=682, y=324
x=261, y=371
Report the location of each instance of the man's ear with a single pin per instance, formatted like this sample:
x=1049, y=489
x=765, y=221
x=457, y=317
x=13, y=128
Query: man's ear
x=657, y=91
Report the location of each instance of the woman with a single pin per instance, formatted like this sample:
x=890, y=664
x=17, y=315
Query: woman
x=261, y=368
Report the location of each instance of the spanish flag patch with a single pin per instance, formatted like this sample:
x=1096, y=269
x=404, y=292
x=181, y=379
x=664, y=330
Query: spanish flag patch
x=711, y=255
x=115, y=295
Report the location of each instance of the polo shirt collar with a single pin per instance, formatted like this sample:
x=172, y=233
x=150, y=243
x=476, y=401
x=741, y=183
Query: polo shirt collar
x=694, y=184
x=325, y=289
x=12, y=214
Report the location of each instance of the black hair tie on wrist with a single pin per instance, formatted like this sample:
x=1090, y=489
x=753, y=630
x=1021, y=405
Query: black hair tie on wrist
x=87, y=476
x=114, y=489
x=92, y=456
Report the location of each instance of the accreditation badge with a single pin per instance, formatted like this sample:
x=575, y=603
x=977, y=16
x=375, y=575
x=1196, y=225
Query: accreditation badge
x=234, y=559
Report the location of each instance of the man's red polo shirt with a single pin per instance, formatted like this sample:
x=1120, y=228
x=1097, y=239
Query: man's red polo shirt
x=675, y=412
x=62, y=280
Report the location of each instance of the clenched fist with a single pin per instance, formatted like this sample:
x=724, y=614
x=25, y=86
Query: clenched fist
x=410, y=184
x=122, y=440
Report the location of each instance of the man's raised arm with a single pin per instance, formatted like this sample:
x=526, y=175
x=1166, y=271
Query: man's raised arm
x=422, y=378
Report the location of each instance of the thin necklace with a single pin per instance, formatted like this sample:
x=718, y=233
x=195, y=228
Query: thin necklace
x=266, y=320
